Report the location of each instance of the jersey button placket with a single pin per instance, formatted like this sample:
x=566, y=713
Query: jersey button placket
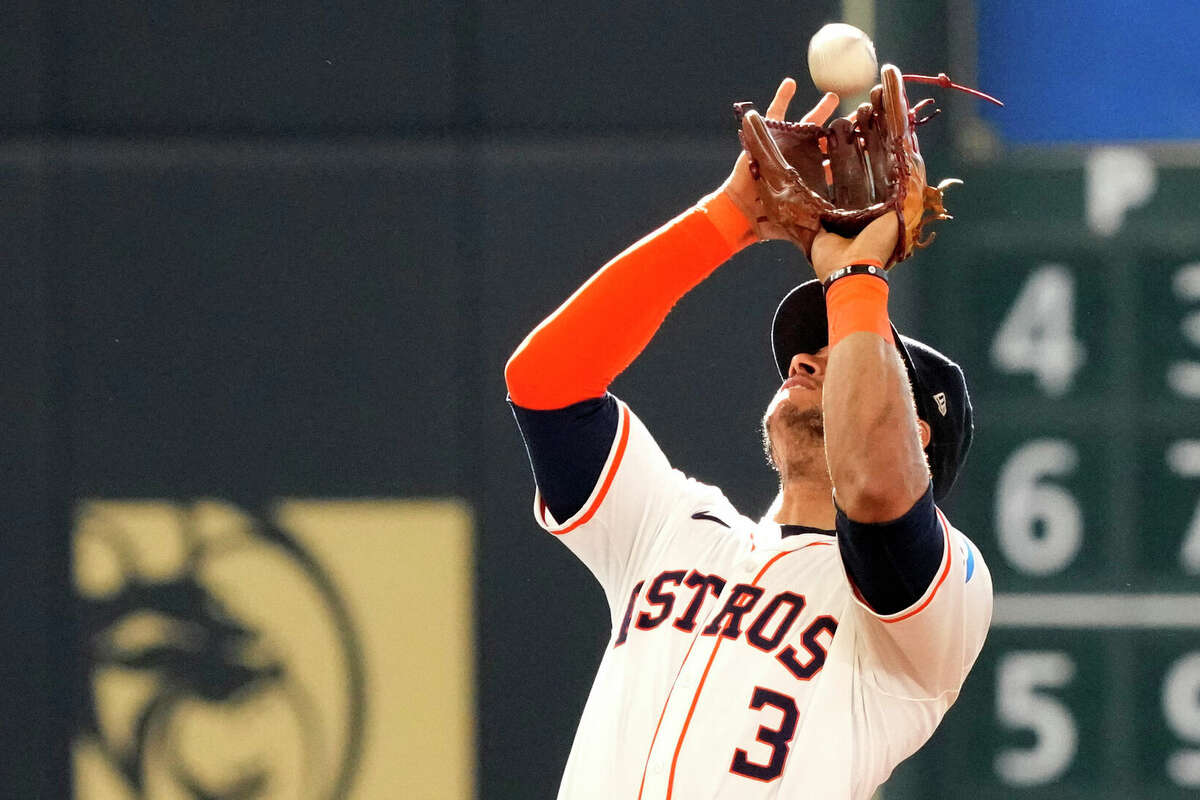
x=683, y=692
x=680, y=702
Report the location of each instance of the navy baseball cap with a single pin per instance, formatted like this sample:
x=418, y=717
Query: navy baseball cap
x=939, y=388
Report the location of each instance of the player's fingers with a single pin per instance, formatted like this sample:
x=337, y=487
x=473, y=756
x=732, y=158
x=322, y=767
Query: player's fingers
x=783, y=97
x=823, y=110
x=770, y=165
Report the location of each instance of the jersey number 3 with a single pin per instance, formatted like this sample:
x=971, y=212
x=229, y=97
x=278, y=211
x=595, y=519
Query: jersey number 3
x=778, y=738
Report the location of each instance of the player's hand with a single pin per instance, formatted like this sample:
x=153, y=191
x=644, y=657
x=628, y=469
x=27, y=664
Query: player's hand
x=739, y=186
x=876, y=241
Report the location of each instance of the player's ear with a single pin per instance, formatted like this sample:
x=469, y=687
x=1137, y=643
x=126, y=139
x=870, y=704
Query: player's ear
x=926, y=432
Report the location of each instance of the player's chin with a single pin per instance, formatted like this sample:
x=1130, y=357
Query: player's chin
x=792, y=401
x=798, y=397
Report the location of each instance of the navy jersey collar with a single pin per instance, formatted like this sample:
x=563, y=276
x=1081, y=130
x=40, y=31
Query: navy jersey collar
x=796, y=530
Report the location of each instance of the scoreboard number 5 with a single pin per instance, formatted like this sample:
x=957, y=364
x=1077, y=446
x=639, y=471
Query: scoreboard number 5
x=1038, y=335
x=1020, y=705
x=1025, y=682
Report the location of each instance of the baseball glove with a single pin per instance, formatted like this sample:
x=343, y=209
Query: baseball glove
x=850, y=172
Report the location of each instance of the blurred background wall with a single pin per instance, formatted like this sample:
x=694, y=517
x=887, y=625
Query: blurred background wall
x=264, y=507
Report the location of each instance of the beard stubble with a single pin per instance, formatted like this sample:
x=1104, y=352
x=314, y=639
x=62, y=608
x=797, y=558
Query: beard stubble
x=804, y=431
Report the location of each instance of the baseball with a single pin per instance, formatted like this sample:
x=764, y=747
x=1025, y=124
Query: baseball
x=841, y=59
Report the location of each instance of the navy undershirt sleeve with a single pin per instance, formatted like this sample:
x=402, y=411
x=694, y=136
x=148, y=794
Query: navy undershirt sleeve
x=893, y=563
x=567, y=449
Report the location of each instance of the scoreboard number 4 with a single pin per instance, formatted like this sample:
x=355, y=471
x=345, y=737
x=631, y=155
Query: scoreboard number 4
x=1038, y=335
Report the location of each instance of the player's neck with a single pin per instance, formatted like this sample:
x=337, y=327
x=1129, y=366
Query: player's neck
x=805, y=502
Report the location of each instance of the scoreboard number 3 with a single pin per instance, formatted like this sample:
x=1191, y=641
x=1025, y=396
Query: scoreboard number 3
x=1184, y=376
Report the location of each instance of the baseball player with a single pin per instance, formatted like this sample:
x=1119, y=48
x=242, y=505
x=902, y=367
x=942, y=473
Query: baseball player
x=804, y=654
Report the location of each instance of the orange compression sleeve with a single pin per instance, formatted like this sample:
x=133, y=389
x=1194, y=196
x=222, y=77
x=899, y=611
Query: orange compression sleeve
x=858, y=303
x=577, y=351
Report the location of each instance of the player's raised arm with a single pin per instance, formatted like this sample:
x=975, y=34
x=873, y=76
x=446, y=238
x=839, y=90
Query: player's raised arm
x=929, y=591
x=872, y=438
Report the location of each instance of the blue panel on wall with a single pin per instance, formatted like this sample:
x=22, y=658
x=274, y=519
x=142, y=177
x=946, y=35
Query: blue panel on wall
x=1095, y=72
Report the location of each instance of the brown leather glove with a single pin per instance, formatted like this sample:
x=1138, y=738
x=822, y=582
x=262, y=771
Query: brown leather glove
x=874, y=167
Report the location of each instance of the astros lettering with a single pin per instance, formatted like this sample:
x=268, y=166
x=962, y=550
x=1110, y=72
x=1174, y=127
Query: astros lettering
x=768, y=630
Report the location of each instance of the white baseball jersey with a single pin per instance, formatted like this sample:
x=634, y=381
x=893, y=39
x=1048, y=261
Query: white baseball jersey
x=741, y=664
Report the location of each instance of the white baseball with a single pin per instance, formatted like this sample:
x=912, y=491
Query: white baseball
x=841, y=58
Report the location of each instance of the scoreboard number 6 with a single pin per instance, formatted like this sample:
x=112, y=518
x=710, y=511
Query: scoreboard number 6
x=1038, y=522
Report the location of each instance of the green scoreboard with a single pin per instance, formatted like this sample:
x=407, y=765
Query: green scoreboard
x=1071, y=296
